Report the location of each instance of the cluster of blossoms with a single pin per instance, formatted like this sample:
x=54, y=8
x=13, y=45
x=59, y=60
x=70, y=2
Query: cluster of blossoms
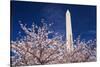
x=37, y=48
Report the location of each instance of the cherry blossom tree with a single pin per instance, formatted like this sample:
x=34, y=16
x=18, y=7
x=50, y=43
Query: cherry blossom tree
x=84, y=51
x=36, y=47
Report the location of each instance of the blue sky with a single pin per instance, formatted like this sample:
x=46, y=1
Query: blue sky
x=83, y=17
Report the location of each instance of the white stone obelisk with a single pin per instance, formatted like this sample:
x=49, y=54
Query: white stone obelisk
x=69, y=37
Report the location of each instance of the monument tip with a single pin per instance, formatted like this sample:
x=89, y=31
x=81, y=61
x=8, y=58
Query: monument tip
x=68, y=11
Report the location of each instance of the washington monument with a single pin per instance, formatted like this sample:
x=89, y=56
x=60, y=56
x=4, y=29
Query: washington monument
x=69, y=36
